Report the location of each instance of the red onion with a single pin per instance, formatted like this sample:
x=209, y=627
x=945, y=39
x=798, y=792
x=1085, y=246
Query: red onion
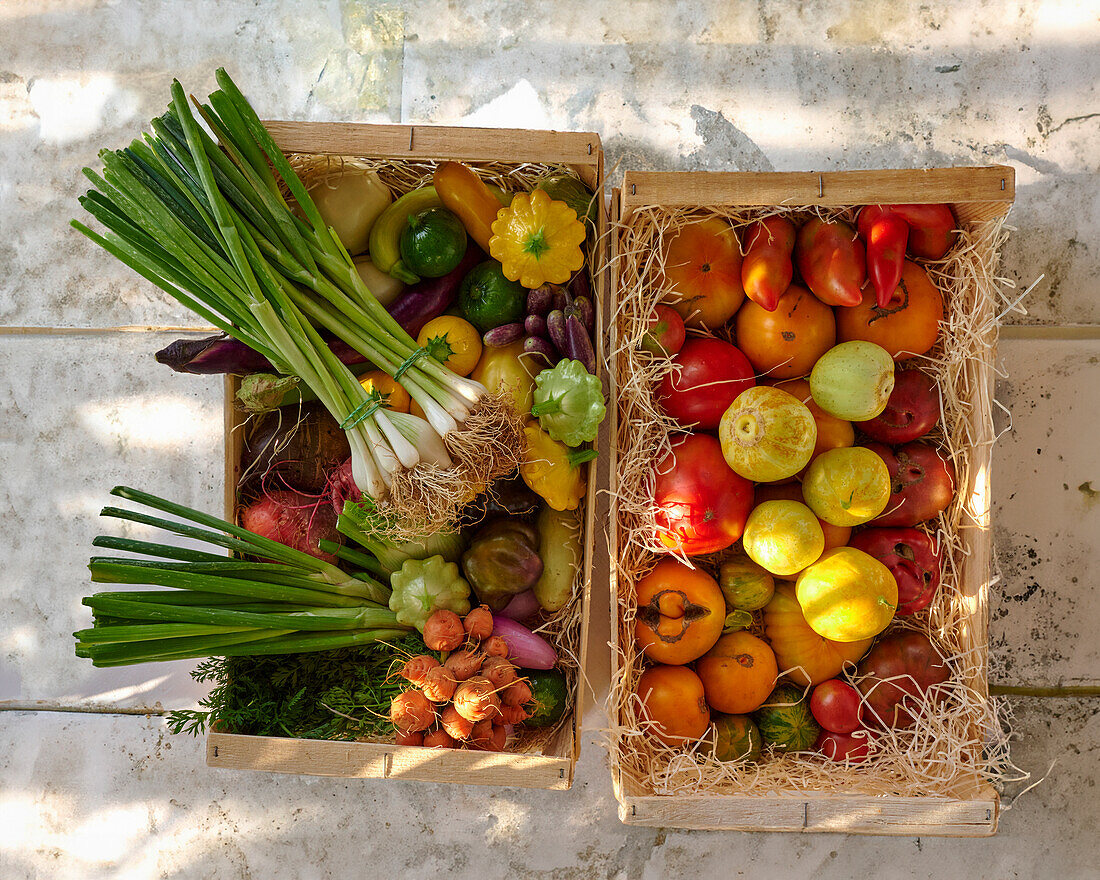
x=525, y=648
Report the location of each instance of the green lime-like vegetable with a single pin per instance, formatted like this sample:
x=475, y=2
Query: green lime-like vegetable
x=422, y=586
x=785, y=720
x=736, y=738
x=433, y=242
x=569, y=403
x=488, y=299
x=568, y=189
x=549, y=696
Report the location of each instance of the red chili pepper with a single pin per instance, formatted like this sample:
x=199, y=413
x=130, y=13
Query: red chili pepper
x=832, y=261
x=931, y=229
x=886, y=233
x=767, y=269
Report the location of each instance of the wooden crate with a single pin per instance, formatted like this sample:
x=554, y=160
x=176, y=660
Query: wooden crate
x=978, y=196
x=553, y=768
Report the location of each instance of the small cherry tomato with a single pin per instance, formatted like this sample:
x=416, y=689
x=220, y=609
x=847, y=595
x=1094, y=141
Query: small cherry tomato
x=665, y=334
x=837, y=706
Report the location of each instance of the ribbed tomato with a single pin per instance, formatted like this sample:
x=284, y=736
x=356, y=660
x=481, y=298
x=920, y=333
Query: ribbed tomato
x=707, y=376
x=702, y=504
x=702, y=266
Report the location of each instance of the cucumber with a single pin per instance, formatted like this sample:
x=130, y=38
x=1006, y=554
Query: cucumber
x=549, y=697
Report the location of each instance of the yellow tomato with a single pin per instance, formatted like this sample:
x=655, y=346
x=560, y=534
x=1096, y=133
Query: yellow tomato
x=783, y=537
x=398, y=400
x=847, y=595
x=848, y=486
x=453, y=342
x=505, y=368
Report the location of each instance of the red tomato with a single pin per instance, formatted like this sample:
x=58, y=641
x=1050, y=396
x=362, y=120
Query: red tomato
x=706, y=377
x=841, y=746
x=837, y=706
x=665, y=335
x=702, y=503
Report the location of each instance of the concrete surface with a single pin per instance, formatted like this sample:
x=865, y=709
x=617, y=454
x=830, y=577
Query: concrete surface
x=90, y=793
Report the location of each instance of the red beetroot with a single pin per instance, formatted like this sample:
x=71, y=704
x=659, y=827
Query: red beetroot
x=293, y=519
x=913, y=560
x=911, y=412
x=922, y=483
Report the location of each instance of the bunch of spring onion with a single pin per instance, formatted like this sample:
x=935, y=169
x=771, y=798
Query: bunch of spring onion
x=206, y=222
x=271, y=600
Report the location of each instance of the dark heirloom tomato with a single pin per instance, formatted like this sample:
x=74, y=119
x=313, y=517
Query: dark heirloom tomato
x=922, y=483
x=913, y=668
x=913, y=560
x=702, y=504
x=911, y=412
x=707, y=375
x=840, y=746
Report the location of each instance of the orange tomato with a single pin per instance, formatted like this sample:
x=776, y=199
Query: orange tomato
x=811, y=658
x=673, y=697
x=681, y=612
x=703, y=269
x=787, y=342
x=738, y=673
x=832, y=433
x=835, y=536
x=907, y=326
x=398, y=400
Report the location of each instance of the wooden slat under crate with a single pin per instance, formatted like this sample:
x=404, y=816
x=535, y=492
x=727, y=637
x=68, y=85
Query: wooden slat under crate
x=977, y=195
x=552, y=769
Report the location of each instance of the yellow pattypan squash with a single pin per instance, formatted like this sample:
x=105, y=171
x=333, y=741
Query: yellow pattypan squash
x=537, y=240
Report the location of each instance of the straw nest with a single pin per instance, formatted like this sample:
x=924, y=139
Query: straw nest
x=428, y=498
x=959, y=746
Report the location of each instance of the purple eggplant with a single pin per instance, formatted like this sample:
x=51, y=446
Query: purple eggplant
x=583, y=309
x=579, y=286
x=561, y=298
x=430, y=298
x=223, y=354
x=540, y=300
x=539, y=347
x=503, y=335
x=578, y=344
x=555, y=328
x=535, y=325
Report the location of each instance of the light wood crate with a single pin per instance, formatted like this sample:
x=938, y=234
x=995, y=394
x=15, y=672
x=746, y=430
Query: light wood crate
x=553, y=767
x=978, y=196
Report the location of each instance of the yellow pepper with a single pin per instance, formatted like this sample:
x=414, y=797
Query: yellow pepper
x=468, y=197
x=507, y=367
x=537, y=240
x=553, y=470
